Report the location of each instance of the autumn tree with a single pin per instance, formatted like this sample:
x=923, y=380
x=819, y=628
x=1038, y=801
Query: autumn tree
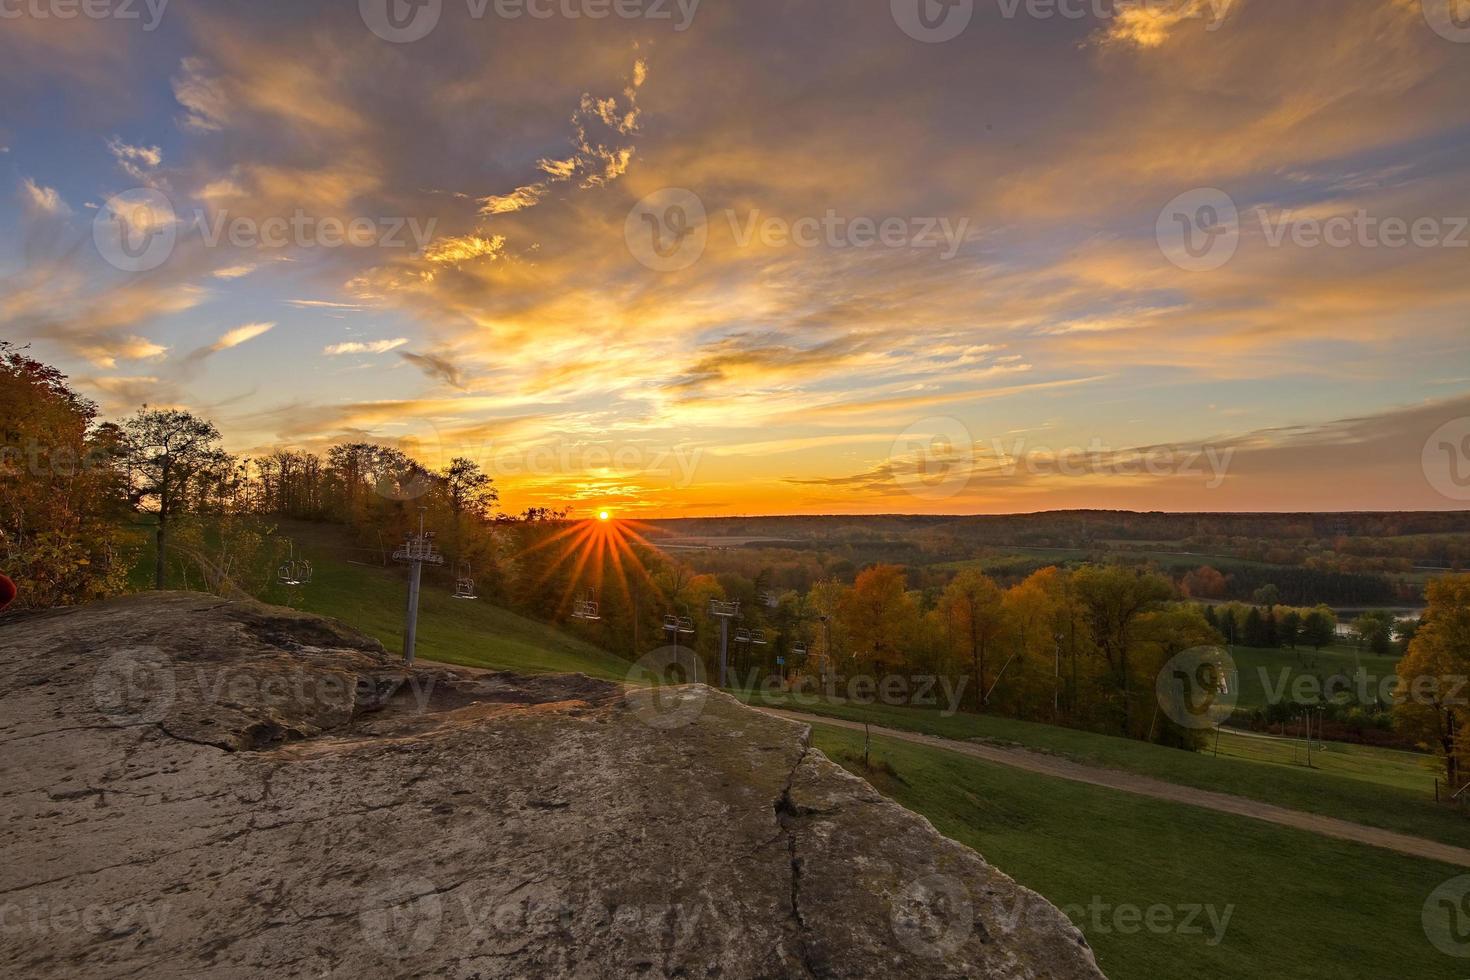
x=170, y=455
x=879, y=616
x=1204, y=583
x=61, y=495
x=974, y=612
x=1432, y=705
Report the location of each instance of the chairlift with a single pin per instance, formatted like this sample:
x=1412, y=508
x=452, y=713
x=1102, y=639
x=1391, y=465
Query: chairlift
x=295, y=571
x=464, y=583
x=587, y=609
x=758, y=637
x=742, y=635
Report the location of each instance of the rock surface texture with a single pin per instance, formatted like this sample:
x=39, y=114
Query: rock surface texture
x=195, y=787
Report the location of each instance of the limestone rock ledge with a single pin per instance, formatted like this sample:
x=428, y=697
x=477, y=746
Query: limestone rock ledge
x=196, y=787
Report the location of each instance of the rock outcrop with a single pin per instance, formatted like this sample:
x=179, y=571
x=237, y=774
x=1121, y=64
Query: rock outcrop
x=195, y=787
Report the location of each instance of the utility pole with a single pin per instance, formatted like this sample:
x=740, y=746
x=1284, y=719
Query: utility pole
x=417, y=551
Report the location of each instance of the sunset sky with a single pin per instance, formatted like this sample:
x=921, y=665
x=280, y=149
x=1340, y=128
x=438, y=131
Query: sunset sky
x=1023, y=303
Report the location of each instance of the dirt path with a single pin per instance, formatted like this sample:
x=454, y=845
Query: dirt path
x=1048, y=765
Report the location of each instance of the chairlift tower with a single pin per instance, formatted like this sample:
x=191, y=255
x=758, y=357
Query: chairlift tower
x=417, y=551
x=724, y=612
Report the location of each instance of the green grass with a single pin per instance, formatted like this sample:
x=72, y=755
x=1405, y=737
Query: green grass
x=1408, y=771
x=372, y=598
x=1264, y=673
x=1301, y=906
x=1364, y=786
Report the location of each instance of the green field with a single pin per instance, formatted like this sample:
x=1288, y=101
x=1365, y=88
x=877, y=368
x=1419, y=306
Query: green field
x=1300, y=905
x=1265, y=672
x=1368, y=786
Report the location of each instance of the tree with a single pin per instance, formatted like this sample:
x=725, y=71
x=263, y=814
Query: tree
x=1204, y=583
x=468, y=489
x=469, y=493
x=1290, y=628
x=1319, y=628
x=171, y=454
x=1267, y=595
x=879, y=615
x=1432, y=704
x=61, y=493
x=1255, y=629
x=1115, y=600
x=974, y=609
x=1375, y=631
x=1404, y=631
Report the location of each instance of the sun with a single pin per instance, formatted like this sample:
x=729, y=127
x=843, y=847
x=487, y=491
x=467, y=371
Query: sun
x=603, y=515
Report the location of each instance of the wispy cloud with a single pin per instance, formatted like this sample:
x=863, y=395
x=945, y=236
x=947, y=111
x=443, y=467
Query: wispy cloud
x=365, y=347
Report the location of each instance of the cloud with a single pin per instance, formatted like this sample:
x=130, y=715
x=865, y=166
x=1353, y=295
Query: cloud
x=42, y=200
x=1148, y=23
x=138, y=162
x=435, y=367
x=1059, y=303
x=594, y=163
x=230, y=339
x=369, y=347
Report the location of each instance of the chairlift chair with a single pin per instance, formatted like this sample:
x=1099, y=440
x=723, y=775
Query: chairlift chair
x=798, y=649
x=295, y=571
x=587, y=609
x=742, y=635
x=464, y=583
x=671, y=624
x=686, y=625
x=758, y=637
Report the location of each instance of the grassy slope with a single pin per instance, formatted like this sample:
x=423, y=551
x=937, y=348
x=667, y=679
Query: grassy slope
x=1304, y=906
x=372, y=598
x=1361, y=787
x=1384, y=767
